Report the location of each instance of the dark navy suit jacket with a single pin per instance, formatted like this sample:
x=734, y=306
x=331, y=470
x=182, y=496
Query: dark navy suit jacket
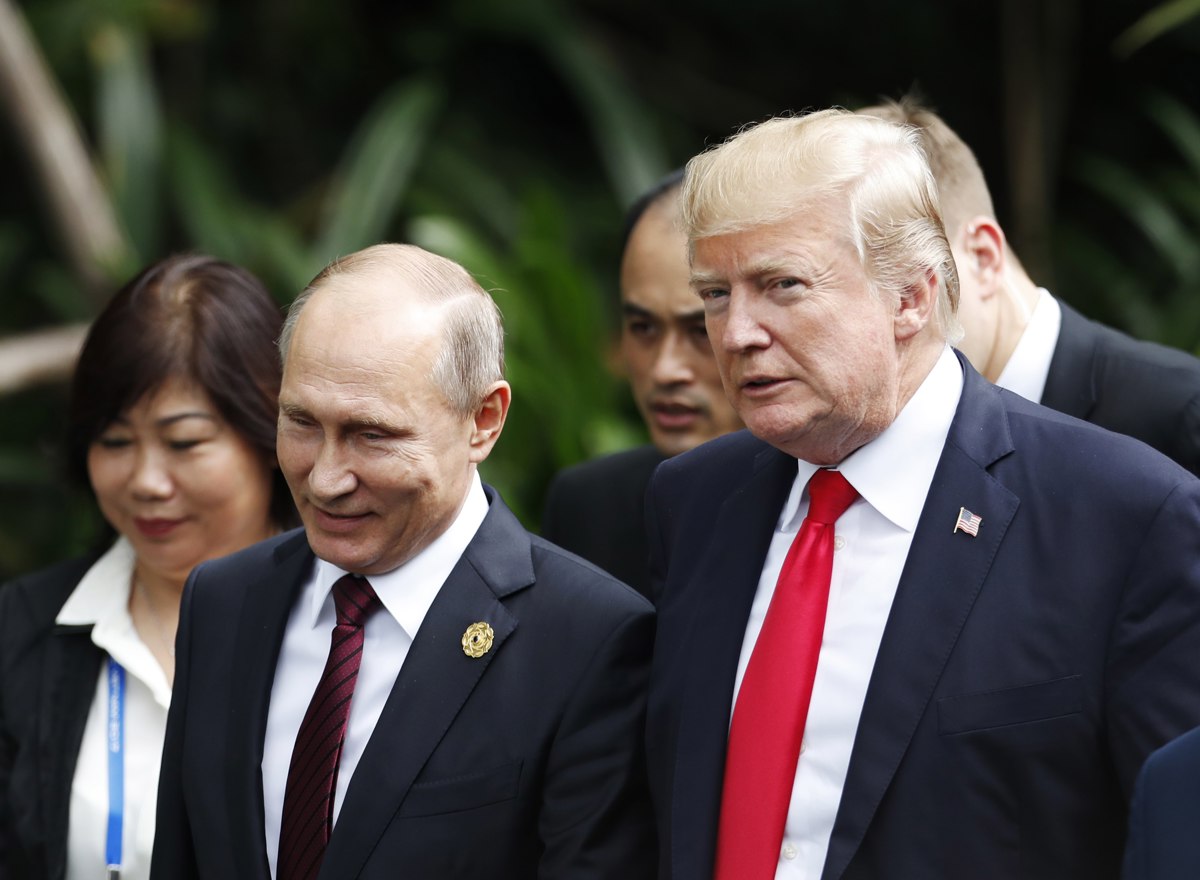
x=1164, y=823
x=525, y=762
x=1023, y=675
x=598, y=509
x=48, y=676
x=1138, y=388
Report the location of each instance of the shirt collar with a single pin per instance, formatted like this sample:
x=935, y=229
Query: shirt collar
x=101, y=599
x=408, y=592
x=94, y=600
x=1029, y=365
x=893, y=472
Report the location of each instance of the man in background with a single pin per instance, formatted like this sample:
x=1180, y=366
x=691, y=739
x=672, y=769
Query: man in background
x=1023, y=339
x=597, y=508
x=1163, y=843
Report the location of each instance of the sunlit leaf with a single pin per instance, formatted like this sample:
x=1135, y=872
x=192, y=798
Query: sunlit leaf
x=1154, y=24
x=625, y=132
x=1145, y=208
x=370, y=183
x=130, y=126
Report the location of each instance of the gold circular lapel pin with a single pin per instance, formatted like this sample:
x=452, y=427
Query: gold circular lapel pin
x=477, y=640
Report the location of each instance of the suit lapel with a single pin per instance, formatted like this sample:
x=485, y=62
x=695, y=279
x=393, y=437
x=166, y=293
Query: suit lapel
x=746, y=521
x=940, y=582
x=434, y=683
x=1070, y=384
x=261, y=624
x=70, y=675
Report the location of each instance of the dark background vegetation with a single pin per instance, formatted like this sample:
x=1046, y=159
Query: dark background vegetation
x=510, y=136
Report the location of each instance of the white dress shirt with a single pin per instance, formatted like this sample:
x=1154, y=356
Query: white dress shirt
x=406, y=594
x=102, y=600
x=892, y=474
x=1029, y=365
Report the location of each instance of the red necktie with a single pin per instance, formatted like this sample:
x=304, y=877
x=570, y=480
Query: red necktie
x=312, y=776
x=772, y=704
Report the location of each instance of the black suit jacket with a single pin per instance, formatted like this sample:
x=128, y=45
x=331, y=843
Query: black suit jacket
x=597, y=509
x=1145, y=390
x=48, y=677
x=1022, y=677
x=525, y=762
x=1164, y=822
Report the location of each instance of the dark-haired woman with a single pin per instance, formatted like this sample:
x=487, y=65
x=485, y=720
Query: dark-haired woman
x=172, y=421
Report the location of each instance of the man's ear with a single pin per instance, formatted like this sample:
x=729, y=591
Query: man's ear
x=914, y=311
x=488, y=421
x=981, y=241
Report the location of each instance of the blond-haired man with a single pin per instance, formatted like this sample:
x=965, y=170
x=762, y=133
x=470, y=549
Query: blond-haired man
x=910, y=624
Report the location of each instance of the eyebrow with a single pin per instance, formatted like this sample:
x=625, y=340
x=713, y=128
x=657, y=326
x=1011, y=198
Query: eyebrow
x=166, y=421
x=766, y=266
x=630, y=310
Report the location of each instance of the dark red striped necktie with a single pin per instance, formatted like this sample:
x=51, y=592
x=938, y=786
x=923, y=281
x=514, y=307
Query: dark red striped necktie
x=312, y=776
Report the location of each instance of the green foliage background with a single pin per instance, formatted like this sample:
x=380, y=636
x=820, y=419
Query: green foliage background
x=511, y=136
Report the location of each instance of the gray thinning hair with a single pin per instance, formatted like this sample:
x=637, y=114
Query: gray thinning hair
x=472, y=354
x=769, y=172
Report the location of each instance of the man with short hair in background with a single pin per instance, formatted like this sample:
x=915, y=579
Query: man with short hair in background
x=1023, y=339
x=597, y=508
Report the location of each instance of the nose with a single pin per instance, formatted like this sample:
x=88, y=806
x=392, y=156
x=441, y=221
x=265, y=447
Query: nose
x=672, y=363
x=151, y=478
x=331, y=476
x=740, y=327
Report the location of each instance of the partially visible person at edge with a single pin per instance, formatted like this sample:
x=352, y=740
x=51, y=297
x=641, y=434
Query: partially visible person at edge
x=597, y=508
x=1165, y=813
x=910, y=624
x=1023, y=339
x=172, y=421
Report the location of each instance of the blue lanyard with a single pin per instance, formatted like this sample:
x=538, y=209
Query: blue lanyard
x=116, y=766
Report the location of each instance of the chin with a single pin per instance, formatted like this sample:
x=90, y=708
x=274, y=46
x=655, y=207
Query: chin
x=675, y=444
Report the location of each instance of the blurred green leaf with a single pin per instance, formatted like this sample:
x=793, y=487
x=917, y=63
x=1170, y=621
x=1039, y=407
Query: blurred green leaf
x=1145, y=208
x=1154, y=24
x=371, y=179
x=130, y=126
x=624, y=130
x=1180, y=124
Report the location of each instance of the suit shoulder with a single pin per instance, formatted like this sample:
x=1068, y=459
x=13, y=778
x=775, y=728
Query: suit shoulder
x=587, y=586
x=249, y=560
x=1179, y=758
x=630, y=465
x=42, y=593
x=1072, y=452
x=1146, y=355
x=727, y=458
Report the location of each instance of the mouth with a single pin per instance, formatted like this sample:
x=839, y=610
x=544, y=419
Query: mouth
x=673, y=415
x=328, y=521
x=156, y=527
x=758, y=386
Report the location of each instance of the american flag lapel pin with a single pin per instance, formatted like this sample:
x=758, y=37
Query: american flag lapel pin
x=968, y=522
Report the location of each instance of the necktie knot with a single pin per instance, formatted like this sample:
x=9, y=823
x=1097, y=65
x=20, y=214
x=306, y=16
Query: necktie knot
x=354, y=600
x=829, y=495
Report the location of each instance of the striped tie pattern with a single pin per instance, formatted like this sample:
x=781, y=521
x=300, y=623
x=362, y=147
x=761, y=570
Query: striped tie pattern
x=312, y=775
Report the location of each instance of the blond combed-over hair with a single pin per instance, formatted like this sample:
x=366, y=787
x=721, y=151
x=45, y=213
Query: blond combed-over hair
x=874, y=170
